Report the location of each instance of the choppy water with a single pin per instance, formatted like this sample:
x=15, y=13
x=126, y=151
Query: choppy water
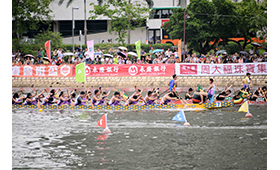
x=219, y=139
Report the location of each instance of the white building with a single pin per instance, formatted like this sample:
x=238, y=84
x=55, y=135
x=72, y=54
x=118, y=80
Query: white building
x=96, y=29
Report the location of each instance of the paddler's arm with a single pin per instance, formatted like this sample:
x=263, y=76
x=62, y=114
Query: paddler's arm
x=57, y=91
x=36, y=92
x=41, y=93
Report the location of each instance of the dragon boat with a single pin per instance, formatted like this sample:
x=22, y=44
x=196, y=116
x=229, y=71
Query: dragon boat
x=173, y=106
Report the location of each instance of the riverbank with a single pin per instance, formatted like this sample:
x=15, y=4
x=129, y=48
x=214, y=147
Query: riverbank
x=129, y=82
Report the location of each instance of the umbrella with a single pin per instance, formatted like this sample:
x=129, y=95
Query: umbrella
x=220, y=51
x=132, y=53
x=68, y=54
x=46, y=58
x=255, y=44
x=108, y=55
x=122, y=48
x=29, y=55
x=157, y=50
x=244, y=52
x=264, y=53
x=121, y=54
x=98, y=53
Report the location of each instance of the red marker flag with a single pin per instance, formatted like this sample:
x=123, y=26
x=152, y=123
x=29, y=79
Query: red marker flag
x=48, y=49
x=102, y=122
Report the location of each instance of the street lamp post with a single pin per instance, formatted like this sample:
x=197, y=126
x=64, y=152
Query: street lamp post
x=73, y=26
x=184, y=36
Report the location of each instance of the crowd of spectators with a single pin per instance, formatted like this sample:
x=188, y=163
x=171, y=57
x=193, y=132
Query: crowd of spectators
x=147, y=57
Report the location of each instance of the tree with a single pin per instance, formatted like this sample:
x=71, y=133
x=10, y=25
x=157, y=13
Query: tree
x=28, y=14
x=208, y=22
x=56, y=39
x=123, y=16
x=252, y=18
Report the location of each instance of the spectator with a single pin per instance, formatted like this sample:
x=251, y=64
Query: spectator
x=168, y=53
x=251, y=51
x=59, y=53
x=55, y=53
x=42, y=52
x=151, y=52
x=142, y=54
x=115, y=59
x=257, y=51
x=39, y=54
x=81, y=53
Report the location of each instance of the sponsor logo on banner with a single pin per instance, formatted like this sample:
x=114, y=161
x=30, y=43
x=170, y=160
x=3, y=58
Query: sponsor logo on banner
x=65, y=70
x=188, y=69
x=87, y=69
x=133, y=70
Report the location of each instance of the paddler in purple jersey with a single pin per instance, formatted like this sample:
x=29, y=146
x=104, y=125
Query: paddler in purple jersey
x=81, y=99
x=149, y=98
x=104, y=99
x=17, y=100
x=134, y=100
x=138, y=93
x=31, y=100
x=116, y=99
x=49, y=100
x=209, y=93
x=95, y=97
x=62, y=99
x=167, y=98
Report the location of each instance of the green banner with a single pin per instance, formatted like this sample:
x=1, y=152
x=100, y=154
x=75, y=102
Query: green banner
x=80, y=72
x=138, y=48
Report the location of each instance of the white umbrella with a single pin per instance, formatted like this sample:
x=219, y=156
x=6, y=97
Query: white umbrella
x=108, y=55
x=68, y=53
x=132, y=53
x=122, y=48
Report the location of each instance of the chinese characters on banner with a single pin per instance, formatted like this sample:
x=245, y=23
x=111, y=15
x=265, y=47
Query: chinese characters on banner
x=94, y=70
x=192, y=69
x=42, y=71
x=130, y=70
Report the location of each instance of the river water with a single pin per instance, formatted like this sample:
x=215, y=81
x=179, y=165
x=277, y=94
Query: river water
x=216, y=139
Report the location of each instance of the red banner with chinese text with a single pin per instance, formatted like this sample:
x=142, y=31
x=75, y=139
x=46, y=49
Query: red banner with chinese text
x=196, y=69
x=129, y=70
x=42, y=71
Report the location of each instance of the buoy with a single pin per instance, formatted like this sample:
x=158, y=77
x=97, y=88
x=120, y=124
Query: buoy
x=187, y=124
x=40, y=110
x=106, y=131
x=248, y=115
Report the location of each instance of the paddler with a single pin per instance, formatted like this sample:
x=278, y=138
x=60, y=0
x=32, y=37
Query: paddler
x=189, y=95
x=149, y=98
x=116, y=99
x=210, y=91
x=133, y=100
x=138, y=93
x=167, y=98
x=49, y=100
x=103, y=98
x=31, y=100
x=95, y=97
x=81, y=99
x=225, y=93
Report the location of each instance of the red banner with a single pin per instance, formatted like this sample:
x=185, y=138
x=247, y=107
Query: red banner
x=42, y=71
x=48, y=49
x=129, y=70
x=68, y=70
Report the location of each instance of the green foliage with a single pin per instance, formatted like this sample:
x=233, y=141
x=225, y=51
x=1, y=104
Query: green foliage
x=121, y=15
x=27, y=14
x=56, y=39
x=211, y=20
x=232, y=48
